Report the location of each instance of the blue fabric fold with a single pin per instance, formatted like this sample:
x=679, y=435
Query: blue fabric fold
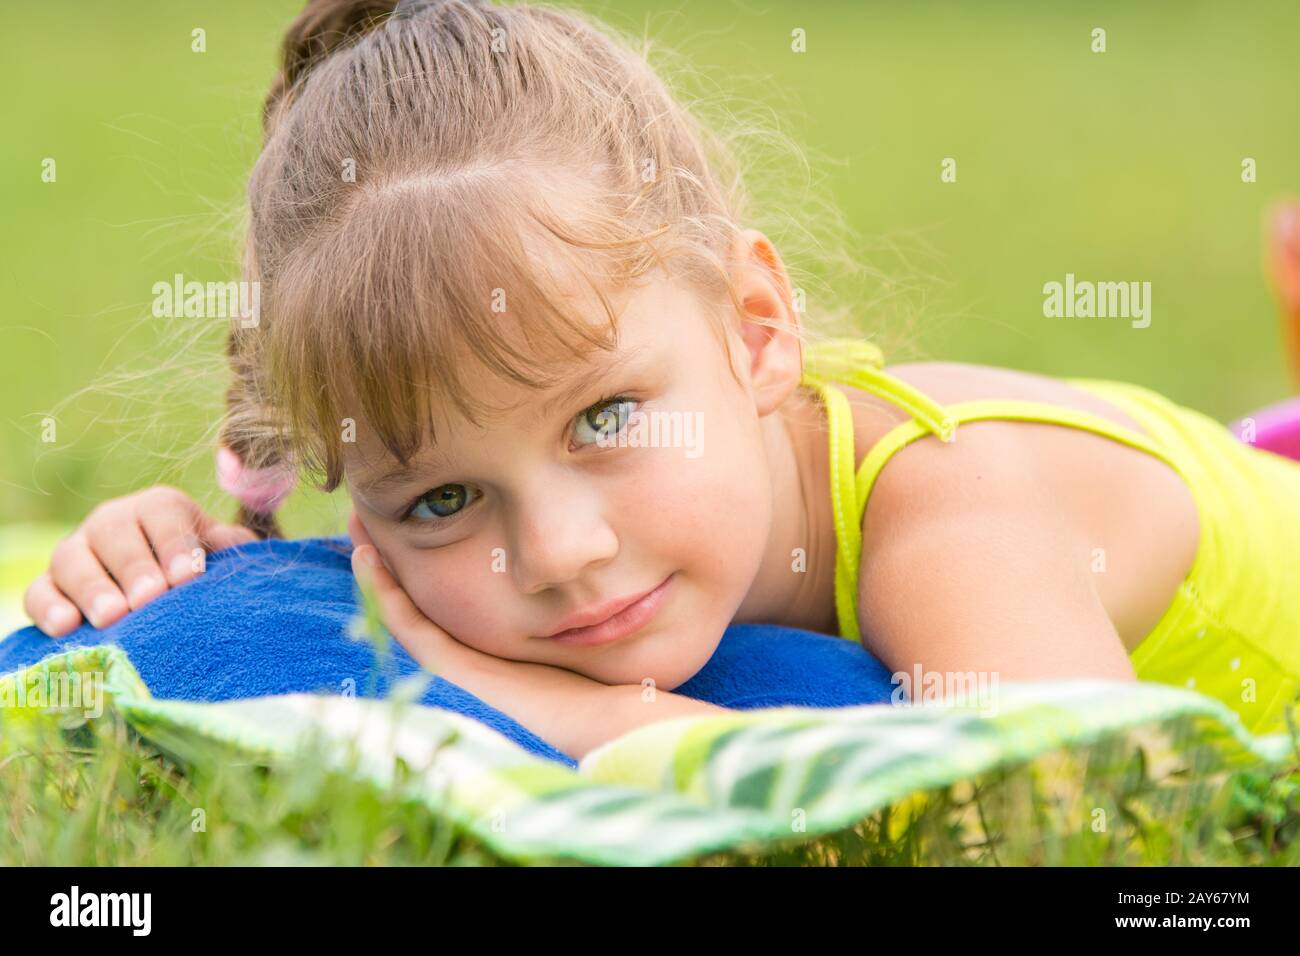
x=271, y=617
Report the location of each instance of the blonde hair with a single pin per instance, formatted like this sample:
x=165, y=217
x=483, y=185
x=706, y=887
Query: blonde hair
x=417, y=160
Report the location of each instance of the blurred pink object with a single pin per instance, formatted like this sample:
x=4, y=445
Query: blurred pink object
x=260, y=490
x=1275, y=428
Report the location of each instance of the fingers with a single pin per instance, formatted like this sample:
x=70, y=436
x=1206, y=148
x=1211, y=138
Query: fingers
x=117, y=539
x=179, y=551
x=357, y=531
x=182, y=540
x=181, y=534
x=431, y=646
x=51, y=611
x=396, y=608
x=172, y=524
x=79, y=575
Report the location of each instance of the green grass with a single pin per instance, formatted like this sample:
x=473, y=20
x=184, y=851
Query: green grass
x=92, y=792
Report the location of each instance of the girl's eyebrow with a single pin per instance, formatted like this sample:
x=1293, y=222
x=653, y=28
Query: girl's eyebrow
x=588, y=374
x=380, y=479
x=390, y=479
x=583, y=379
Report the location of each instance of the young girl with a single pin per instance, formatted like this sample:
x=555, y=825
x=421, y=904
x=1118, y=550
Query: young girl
x=493, y=252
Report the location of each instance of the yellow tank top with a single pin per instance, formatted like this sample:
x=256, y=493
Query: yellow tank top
x=1232, y=631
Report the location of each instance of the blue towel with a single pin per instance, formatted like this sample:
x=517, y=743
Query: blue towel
x=271, y=617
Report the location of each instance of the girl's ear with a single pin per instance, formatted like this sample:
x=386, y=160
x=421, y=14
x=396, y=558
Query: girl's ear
x=770, y=327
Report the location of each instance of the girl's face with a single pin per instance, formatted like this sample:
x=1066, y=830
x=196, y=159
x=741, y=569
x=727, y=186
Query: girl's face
x=646, y=470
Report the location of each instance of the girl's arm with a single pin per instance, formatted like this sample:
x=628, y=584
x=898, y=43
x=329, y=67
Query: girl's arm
x=574, y=713
x=971, y=564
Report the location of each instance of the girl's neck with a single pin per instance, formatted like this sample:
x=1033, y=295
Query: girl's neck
x=803, y=531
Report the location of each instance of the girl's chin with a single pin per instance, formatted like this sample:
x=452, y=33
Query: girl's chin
x=665, y=668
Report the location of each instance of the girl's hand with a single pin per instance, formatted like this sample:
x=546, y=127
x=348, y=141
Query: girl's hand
x=127, y=552
x=425, y=641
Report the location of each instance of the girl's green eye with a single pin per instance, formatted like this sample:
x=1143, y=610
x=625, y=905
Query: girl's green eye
x=441, y=502
x=605, y=419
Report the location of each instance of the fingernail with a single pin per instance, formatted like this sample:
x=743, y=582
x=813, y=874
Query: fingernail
x=103, y=606
x=144, y=589
x=59, y=617
x=181, y=565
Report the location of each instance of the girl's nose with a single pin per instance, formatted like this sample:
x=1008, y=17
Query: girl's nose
x=557, y=538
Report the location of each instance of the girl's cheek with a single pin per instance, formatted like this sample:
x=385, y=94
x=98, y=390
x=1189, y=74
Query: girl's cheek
x=461, y=594
x=439, y=588
x=708, y=515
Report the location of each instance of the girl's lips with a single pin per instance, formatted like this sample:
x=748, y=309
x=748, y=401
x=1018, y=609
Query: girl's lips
x=627, y=621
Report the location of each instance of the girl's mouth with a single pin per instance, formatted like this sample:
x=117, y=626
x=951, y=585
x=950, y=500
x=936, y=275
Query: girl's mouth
x=628, y=621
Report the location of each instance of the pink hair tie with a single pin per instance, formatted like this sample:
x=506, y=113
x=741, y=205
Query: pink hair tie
x=260, y=490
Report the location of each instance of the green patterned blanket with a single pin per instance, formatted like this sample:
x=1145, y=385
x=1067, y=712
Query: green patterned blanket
x=680, y=789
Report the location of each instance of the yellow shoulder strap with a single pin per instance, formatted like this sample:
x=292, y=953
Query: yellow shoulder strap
x=859, y=364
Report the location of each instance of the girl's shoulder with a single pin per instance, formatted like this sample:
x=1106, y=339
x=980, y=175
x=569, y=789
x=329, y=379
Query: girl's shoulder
x=1080, y=486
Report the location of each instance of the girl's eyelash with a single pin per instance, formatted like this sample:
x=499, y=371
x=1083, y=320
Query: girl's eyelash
x=410, y=506
x=611, y=400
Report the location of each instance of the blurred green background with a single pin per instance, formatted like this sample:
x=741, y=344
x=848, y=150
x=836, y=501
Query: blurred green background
x=1116, y=166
